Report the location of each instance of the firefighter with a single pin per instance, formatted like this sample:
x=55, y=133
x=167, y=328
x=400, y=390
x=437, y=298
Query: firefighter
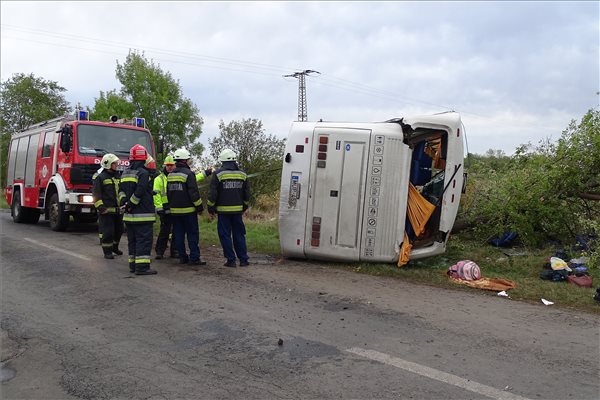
x=105, y=191
x=150, y=165
x=136, y=198
x=184, y=202
x=229, y=198
x=93, y=179
x=161, y=203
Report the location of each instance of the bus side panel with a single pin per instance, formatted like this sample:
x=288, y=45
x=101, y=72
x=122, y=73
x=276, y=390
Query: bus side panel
x=387, y=194
x=337, y=193
x=293, y=198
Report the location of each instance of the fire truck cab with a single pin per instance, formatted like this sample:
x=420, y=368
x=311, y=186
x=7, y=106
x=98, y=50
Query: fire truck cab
x=51, y=164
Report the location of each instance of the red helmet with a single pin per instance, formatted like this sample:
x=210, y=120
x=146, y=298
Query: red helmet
x=138, y=152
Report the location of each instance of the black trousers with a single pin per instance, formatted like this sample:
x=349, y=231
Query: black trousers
x=164, y=235
x=111, y=229
x=139, y=237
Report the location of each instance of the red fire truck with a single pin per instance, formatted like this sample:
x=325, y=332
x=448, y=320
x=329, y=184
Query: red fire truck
x=51, y=164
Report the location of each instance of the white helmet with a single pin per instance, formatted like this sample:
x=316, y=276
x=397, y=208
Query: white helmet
x=108, y=159
x=227, y=155
x=182, y=154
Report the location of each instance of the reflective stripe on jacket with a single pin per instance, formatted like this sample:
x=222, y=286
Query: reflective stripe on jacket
x=229, y=189
x=105, y=191
x=161, y=201
x=136, y=191
x=182, y=190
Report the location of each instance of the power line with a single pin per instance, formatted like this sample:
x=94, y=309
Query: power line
x=220, y=63
x=302, y=108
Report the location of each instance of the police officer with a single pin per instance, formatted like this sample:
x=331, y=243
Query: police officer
x=229, y=198
x=105, y=191
x=161, y=203
x=184, y=202
x=136, y=198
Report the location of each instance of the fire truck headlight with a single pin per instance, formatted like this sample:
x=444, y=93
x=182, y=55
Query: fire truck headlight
x=86, y=198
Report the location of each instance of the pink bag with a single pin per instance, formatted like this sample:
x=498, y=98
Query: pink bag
x=466, y=270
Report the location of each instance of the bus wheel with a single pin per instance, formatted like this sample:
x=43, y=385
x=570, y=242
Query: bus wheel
x=17, y=211
x=59, y=218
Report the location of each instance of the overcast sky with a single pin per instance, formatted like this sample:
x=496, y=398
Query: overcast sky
x=517, y=72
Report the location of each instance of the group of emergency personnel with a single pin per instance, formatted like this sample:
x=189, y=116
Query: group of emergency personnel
x=141, y=192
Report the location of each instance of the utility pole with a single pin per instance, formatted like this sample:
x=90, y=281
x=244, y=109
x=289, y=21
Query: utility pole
x=301, y=75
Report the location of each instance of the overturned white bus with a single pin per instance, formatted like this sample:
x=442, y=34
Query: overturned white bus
x=381, y=192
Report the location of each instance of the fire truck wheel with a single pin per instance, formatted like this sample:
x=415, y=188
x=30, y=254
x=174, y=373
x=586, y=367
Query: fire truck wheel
x=34, y=216
x=17, y=211
x=59, y=218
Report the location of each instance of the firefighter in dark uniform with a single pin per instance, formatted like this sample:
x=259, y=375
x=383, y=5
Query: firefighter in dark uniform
x=161, y=203
x=105, y=192
x=136, y=198
x=229, y=198
x=184, y=202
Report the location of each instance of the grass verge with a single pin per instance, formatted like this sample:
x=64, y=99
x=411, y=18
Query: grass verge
x=522, y=266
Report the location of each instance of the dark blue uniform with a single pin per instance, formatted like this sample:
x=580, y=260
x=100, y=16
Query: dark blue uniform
x=184, y=203
x=110, y=221
x=136, y=194
x=229, y=198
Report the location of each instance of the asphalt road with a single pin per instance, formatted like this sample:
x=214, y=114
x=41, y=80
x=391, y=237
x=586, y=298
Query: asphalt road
x=75, y=325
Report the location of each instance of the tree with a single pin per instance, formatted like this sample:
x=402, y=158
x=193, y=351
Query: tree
x=258, y=153
x=25, y=100
x=111, y=103
x=546, y=192
x=149, y=92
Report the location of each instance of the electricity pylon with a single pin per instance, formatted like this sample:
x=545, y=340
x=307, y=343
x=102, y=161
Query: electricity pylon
x=300, y=75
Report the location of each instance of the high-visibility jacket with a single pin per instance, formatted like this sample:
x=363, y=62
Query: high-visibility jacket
x=229, y=189
x=105, y=191
x=161, y=201
x=182, y=191
x=136, y=193
x=200, y=176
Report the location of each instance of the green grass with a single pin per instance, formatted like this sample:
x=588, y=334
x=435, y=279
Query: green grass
x=3, y=203
x=262, y=236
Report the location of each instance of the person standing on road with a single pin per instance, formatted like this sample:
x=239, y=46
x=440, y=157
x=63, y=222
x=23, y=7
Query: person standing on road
x=161, y=203
x=229, y=198
x=105, y=191
x=136, y=197
x=184, y=202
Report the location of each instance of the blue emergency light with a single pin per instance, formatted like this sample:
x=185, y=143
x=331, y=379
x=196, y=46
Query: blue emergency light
x=139, y=122
x=83, y=115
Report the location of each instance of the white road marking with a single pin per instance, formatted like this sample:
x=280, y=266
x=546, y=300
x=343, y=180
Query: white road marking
x=70, y=253
x=436, y=374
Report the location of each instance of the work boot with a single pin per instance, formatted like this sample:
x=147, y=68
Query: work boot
x=132, y=267
x=230, y=264
x=107, y=252
x=244, y=263
x=159, y=257
x=116, y=250
x=145, y=271
x=184, y=260
x=197, y=262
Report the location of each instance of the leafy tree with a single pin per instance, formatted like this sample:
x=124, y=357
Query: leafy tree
x=258, y=153
x=547, y=192
x=25, y=100
x=111, y=103
x=147, y=91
